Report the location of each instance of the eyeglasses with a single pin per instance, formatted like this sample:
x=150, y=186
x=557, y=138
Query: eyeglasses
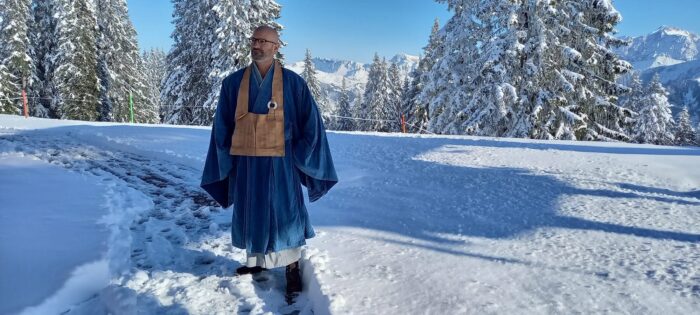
x=260, y=41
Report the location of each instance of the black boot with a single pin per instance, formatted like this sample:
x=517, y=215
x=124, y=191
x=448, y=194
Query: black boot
x=249, y=270
x=293, y=275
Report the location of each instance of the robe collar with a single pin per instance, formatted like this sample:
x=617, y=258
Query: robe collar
x=260, y=90
x=257, y=76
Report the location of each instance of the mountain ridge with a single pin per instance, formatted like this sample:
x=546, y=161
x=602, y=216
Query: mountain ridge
x=674, y=54
x=330, y=73
x=664, y=47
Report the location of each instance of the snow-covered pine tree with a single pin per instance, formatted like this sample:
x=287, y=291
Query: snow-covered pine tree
x=230, y=50
x=406, y=88
x=360, y=109
x=406, y=104
x=591, y=65
x=343, y=122
x=375, y=108
x=195, y=26
x=685, y=134
x=309, y=75
x=357, y=113
x=691, y=100
x=4, y=74
x=542, y=69
x=415, y=100
x=633, y=100
x=120, y=66
x=14, y=54
x=8, y=95
x=75, y=57
x=199, y=83
x=655, y=123
x=180, y=60
x=211, y=41
x=395, y=95
x=155, y=68
x=265, y=12
x=42, y=43
x=469, y=84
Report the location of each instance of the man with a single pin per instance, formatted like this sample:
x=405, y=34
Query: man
x=268, y=139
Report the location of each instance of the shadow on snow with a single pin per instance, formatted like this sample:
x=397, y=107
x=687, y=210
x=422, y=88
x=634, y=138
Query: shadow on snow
x=383, y=188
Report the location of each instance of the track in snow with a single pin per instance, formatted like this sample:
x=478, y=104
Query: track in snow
x=180, y=245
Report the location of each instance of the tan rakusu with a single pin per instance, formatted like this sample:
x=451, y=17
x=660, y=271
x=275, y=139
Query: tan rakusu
x=259, y=134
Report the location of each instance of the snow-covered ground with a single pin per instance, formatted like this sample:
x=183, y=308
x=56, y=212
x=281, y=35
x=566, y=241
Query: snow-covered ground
x=43, y=206
x=99, y=218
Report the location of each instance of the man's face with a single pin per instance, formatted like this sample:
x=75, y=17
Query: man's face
x=264, y=46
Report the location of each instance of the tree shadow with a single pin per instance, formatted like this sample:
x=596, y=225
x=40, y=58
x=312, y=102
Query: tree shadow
x=481, y=202
x=424, y=200
x=661, y=191
x=574, y=146
x=116, y=299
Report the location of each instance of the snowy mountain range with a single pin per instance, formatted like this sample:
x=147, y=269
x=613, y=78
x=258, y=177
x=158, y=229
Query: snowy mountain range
x=674, y=54
x=671, y=52
x=330, y=73
x=664, y=47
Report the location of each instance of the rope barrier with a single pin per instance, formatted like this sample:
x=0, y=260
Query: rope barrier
x=200, y=107
x=45, y=98
x=382, y=120
x=421, y=129
x=355, y=118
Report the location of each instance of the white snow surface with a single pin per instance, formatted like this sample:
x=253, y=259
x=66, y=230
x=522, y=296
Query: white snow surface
x=47, y=228
x=417, y=224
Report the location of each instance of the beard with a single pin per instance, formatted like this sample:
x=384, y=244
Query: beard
x=257, y=54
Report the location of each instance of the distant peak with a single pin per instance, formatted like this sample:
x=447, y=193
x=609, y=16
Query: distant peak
x=673, y=31
x=404, y=56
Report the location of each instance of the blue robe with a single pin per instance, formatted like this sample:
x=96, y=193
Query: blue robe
x=269, y=214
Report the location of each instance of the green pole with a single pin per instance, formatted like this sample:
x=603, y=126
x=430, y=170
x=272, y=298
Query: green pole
x=131, y=106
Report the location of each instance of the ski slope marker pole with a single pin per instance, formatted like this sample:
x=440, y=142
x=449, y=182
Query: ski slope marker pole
x=24, y=97
x=131, y=107
x=403, y=123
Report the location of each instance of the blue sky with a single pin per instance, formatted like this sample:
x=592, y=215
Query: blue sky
x=356, y=29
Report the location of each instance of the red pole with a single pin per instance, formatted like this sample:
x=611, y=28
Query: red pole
x=403, y=123
x=24, y=98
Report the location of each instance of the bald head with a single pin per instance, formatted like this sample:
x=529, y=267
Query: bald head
x=266, y=32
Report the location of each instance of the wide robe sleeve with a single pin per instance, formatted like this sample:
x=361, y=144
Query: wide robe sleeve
x=312, y=155
x=219, y=163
